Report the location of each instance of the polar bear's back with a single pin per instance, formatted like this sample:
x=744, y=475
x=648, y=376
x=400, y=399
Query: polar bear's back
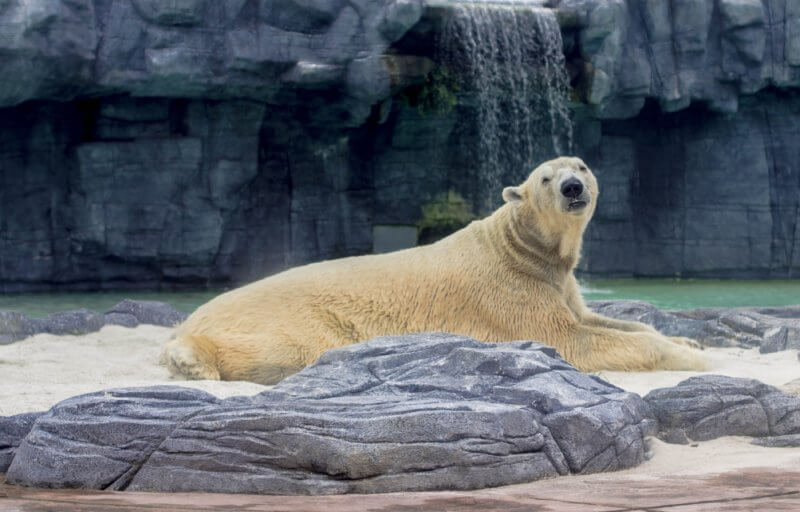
x=307, y=310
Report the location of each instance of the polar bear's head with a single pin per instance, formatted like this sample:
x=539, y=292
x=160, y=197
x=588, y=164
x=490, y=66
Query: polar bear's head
x=563, y=188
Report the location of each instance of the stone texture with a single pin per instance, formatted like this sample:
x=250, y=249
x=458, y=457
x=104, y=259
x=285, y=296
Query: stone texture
x=148, y=312
x=77, y=322
x=684, y=51
x=711, y=406
x=789, y=440
x=694, y=138
x=128, y=313
x=14, y=327
x=697, y=193
x=770, y=329
x=202, y=116
x=193, y=142
x=12, y=430
x=417, y=412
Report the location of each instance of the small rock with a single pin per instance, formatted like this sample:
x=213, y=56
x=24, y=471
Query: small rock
x=12, y=430
x=787, y=441
x=148, y=312
x=123, y=319
x=14, y=327
x=774, y=340
x=712, y=406
x=77, y=322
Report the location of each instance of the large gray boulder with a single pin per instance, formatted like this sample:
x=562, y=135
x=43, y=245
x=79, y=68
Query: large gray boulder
x=712, y=406
x=417, y=412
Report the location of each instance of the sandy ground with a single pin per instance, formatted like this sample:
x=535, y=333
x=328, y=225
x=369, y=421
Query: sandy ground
x=781, y=369
x=44, y=369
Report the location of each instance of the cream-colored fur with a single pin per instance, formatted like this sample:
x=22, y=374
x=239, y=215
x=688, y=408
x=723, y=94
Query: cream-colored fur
x=506, y=277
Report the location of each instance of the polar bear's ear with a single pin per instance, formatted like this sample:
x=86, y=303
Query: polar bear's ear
x=512, y=194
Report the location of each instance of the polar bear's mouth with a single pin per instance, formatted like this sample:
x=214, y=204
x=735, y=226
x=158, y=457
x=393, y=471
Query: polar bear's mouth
x=576, y=205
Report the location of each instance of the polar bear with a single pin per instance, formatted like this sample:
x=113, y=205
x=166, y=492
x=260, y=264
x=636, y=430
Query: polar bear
x=506, y=277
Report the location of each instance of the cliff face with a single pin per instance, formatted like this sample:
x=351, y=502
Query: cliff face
x=149, y=143
x=690, y=114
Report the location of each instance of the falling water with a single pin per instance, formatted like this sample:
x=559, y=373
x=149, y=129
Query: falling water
x=511, y=54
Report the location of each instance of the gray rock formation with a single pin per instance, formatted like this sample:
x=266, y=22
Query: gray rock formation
x=128, y=313
x=15, y=326
x=679, y=52
x=133, y=312
x=166, y=144
x=712, y=406
x=419, y=412
x=711, y=190
x=770, y=329
x=213, y=146
x=13, y=430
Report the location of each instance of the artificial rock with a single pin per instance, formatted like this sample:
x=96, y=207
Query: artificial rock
x=403, y=413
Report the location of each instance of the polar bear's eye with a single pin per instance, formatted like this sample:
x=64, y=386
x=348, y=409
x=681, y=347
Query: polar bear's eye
x=545, y=180
x=583, y=168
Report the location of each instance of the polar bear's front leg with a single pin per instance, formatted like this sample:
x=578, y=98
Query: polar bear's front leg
x=600, y=348
x=595, y=320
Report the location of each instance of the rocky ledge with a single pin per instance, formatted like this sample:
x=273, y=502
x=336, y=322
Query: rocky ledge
x=771, y=329
x=405, y=413
x=15, y=326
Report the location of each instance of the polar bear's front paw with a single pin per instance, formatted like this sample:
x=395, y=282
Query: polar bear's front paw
x=686, y=342
x=684, y=359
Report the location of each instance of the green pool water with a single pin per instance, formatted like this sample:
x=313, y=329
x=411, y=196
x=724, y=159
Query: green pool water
x=664, y=293
x=700, y=293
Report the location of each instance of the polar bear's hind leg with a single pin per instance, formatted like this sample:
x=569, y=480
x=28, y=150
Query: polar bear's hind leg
x=183, y=358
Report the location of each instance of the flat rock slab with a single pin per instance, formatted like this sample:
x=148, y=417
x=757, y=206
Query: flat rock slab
x=745, y=490
x=417, y=412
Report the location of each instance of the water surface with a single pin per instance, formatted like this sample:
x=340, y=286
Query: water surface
x=696, y=293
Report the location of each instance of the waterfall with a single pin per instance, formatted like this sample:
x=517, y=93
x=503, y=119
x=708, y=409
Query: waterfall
x=510, y=54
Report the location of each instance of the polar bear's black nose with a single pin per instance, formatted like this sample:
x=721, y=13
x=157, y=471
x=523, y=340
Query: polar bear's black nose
x=572, y=188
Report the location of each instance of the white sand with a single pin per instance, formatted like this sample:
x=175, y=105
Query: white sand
x=44, y=369
x=711, y=457
x=777, y=369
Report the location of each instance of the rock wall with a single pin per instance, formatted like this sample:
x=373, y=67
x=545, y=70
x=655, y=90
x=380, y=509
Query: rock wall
x=148, y=143
x=696, y=193
x=690, y=114
x=168, y=144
